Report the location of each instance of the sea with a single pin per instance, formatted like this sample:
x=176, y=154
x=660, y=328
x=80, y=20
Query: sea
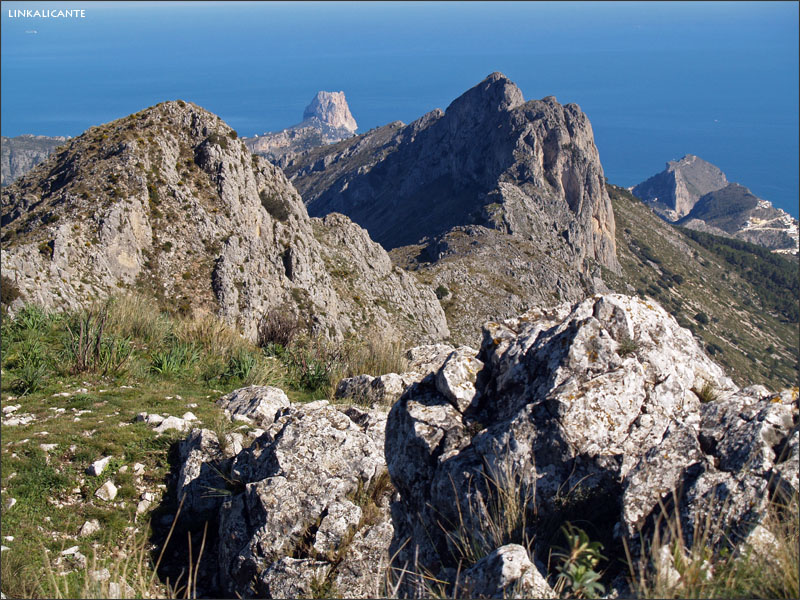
x=658, y=80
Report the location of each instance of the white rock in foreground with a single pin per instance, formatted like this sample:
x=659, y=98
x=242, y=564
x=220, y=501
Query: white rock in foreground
x=98, y=466
x=107, y=491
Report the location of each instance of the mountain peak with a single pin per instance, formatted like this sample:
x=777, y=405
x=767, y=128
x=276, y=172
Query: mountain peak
x=496, y=93
x=675, y=191
x=331, y=109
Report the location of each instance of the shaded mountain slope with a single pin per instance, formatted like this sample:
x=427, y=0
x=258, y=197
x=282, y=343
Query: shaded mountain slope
x=530, y=169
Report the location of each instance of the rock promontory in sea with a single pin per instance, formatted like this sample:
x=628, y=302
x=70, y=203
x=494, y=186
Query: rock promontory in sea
x=326, y=120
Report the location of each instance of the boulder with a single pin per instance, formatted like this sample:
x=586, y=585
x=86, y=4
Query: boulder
x=107, y=491
x=304, y=506
x=257, y=404
x=506, y=572
x=98, y=466
x=589, y=411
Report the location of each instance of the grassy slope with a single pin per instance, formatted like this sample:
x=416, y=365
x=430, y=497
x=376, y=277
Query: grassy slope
x=754, y=345
x=54, y=495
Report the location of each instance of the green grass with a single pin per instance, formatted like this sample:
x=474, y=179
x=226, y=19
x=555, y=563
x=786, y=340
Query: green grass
x=173, y=365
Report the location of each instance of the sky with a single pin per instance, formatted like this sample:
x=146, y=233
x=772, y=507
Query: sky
x=658, y=80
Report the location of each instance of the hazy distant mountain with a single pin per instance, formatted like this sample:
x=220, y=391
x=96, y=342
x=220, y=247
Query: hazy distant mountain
x=695, y=194
x=327, y=119
x=20, y=154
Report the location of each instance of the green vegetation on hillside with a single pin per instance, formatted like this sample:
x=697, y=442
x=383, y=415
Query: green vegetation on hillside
x=774, y=277
x=742, y=320
x=75, y=382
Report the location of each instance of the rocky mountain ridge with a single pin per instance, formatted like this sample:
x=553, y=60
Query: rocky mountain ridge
x=588, y=411
x=20, y=154
x=170, y=202
x=453, y=192
x=695, y=194
x=326, y=120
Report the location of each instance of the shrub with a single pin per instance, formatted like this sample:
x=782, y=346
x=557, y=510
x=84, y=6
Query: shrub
x=218, y=140
x=441, y=292
x=701, y=318
x=707, y=393
x=277, y=327
x=627, y=346
x=577, y=563
x=90, y=348
x=176, y=360
x=138, y=317
x=8, y=290
x=31, y=366
x=274, y=205
x=46, y=249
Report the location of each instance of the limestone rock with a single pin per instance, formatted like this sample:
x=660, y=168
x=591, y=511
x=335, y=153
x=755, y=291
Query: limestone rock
x=170, y=199
x=172, y=423
x=506, y=572
x=261, y=405
x=383, y=390
x=201, y=481
x=293, y=515
x=107, y=491
x=580, y=430
x=89, y=527
x=98, y=466
x=456, y=380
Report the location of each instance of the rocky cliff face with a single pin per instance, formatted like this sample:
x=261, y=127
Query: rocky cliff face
x=695, y=194
x=490, y=152
x=168, y=201
x=455, y=191
x=674, y=192
x=331, y=109
x=586, y=412
x=20, y=154
x=325, y=121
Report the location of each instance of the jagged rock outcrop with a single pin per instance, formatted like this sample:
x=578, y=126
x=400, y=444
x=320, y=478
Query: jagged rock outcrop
x=534, y=161
x=586, y=412
x=695, y=194
x=169, y=202
x=20, y=154
x=325, y=121
x=307, y=504
x=592, y=412
x=500, y=201
x=674, y=192
x=385, y=389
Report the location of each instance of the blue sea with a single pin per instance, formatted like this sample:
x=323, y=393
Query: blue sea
x=657, y=80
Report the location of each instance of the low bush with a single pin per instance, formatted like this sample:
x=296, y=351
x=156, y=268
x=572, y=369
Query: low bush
x=8, y=290
x=278, y=327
